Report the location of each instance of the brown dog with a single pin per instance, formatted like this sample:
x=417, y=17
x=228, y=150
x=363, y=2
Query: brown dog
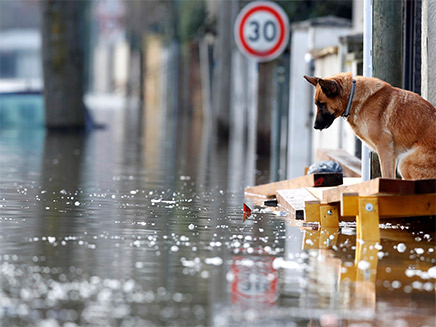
x=398, y=124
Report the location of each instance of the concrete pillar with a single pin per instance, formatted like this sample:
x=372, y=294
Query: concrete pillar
x=63, y=61
x=222, y=71
x=387, y=46
x=387, y=51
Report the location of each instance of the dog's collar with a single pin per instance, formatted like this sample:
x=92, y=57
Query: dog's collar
x=350, y=100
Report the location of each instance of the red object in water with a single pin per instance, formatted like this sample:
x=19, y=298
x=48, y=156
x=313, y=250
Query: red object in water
x=247, y=209
x=247, y=212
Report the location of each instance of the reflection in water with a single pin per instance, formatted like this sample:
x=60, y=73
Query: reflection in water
x=134, y=226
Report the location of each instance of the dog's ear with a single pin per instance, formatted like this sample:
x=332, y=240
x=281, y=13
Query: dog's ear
x=312, y=80
x=329, y=87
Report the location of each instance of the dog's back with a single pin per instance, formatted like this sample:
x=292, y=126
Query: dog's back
x=403, y=122
x=400, y=125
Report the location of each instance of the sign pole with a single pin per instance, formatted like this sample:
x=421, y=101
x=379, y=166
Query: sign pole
x=261, y=33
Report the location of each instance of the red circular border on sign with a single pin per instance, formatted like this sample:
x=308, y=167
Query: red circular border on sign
x=282, y=32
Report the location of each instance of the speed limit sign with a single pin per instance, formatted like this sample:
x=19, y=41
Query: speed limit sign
x=262, y=30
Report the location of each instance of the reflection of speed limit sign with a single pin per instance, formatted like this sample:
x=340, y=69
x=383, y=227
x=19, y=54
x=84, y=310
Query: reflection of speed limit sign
x=262, y=30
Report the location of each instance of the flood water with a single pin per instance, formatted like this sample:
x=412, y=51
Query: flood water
x=141, y=224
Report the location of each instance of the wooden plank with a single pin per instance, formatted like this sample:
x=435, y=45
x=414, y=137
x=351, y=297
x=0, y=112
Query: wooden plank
x=350, y=204
x=407, y=205
x=311, y=211
x=352, y=180
x=425, y=186
x=371, y=187
x=313, y=180
x=393, y=206
x=319, y=191
x=256, y=200
x=293, y=201
x=329, y=215
x=350, y=164
x=367, y=221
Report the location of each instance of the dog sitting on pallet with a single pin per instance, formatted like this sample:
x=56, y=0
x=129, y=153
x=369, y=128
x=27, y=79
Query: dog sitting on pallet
x=399, y=125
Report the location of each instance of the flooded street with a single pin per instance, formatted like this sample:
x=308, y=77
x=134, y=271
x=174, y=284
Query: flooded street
x=141, y=224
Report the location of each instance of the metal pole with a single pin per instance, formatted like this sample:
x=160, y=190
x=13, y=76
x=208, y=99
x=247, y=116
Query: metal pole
x=367, y=71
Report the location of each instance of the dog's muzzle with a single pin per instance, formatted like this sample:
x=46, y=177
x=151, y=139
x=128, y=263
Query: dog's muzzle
x=323, y=120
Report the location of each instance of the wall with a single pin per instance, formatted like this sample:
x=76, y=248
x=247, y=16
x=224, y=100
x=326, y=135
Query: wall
x=357, y=16
x=339, y=135
x=306, y=37
x=299, y=133
x=429, y=50
x=330, y=137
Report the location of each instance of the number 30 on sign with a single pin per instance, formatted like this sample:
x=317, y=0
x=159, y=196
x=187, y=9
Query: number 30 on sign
x=262, y=30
